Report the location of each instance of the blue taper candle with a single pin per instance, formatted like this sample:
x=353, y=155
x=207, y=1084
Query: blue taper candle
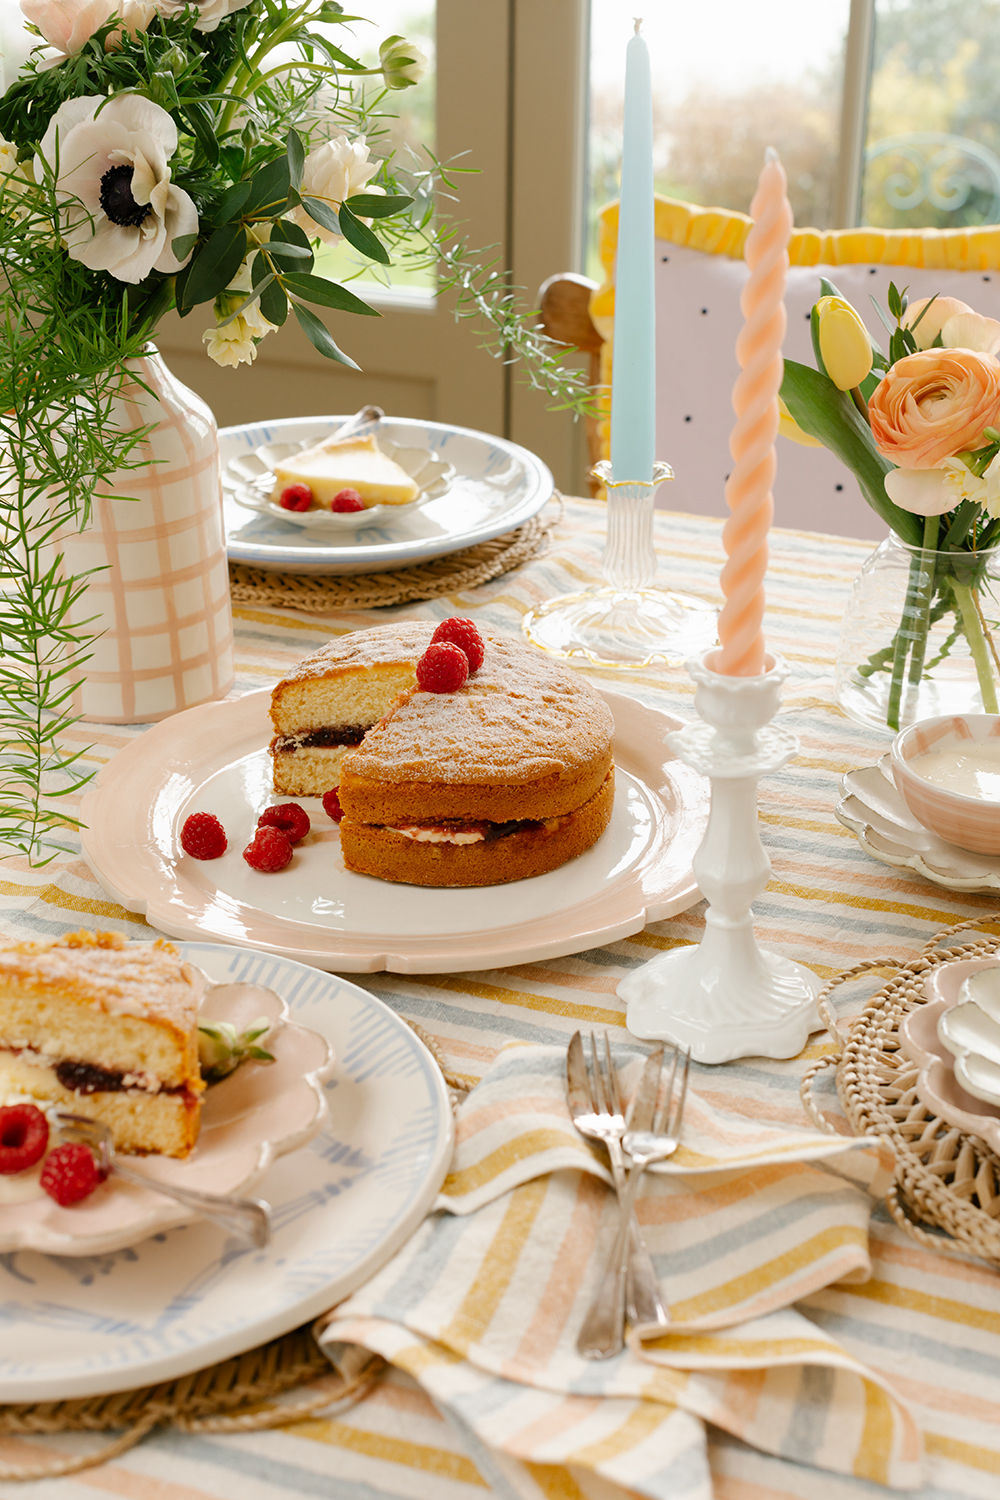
x=633, y=371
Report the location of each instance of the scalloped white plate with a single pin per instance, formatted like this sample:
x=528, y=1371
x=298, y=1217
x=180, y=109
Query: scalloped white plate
x=250, y=479
x=496, y=486
x=214, y=759
x=249, y=1119
x=872, y=808
x=342, y=1204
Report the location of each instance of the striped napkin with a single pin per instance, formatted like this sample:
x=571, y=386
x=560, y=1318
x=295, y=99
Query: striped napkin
x=483, y=1305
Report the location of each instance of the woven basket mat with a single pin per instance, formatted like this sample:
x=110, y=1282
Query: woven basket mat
x=452, y=574
x=241, y=1394
x=946, y=1182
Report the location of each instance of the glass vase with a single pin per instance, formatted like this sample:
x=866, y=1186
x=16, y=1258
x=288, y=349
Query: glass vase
x=920, y=636
x=157, y=594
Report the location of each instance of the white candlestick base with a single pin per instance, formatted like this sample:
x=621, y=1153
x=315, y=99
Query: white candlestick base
x=625, y=622
x=728, y=997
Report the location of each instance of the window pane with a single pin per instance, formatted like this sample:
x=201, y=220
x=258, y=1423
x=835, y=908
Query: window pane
x=933, y=138
x=729, y=80
x=407, y=132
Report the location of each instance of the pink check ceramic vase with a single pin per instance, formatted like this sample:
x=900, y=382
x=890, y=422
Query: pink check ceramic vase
x=159, y=592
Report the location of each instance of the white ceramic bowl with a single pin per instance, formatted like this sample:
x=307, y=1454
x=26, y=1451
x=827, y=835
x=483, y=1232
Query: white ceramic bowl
x=971, y=822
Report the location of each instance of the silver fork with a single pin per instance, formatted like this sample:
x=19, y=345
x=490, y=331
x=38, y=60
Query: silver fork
x=596, y=1107
x=654, y=1135
x=247, y=1217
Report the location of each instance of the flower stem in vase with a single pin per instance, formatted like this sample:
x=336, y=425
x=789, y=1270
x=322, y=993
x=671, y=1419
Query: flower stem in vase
x=904, y=639
x=925, y=594
x=973, y=627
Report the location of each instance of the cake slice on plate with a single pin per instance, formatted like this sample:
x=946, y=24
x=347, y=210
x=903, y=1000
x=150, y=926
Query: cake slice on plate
x=102, y=1027
x=347, y=463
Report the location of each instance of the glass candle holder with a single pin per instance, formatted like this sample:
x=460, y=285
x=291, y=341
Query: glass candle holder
x=624, y=621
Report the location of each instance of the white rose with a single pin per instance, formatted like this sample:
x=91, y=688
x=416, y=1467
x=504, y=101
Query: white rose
x=119, y=210
x=332, y=173
x=210, y=13
x=233, y=341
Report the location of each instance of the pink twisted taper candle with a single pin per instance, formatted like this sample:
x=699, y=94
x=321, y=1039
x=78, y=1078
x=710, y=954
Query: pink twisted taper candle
x=752, y=444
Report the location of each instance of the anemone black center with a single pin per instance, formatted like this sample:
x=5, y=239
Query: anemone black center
x=117, y=200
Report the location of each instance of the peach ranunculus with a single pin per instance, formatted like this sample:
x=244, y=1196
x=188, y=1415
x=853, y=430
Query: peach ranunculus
x=934, y=404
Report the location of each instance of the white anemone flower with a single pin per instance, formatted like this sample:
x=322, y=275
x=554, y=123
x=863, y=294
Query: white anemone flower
x=120, y=212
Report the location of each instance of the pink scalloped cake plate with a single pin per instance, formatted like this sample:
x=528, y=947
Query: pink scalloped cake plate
x=257, y=1114
x=214, y=759
x=937, y=1085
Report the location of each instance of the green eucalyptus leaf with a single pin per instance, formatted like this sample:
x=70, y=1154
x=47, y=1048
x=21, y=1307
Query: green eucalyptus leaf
x=215, y=265
x=183, y=245
x=319, y=336
x=274, y=302
x=361, y=237
x=327, y=294
x=285, y=252
x=377, y=205
x=831, y=416
x=230, y=205
x=269, y=190
x=296, y=153
x=322, y=213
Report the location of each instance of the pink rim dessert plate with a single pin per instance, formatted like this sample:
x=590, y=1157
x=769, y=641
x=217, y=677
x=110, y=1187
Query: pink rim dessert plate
x=214, y=759
x=920, y=1039
x=257, y=1114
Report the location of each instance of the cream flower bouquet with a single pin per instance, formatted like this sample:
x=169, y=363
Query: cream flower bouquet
x=160, y=155
x=919, y=426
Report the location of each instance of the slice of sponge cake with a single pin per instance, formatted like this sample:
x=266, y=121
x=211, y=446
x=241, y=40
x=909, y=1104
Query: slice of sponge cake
x=105, y=1028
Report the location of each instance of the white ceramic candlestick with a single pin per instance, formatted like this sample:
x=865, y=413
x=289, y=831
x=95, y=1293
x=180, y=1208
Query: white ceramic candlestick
x=728, y=997
x=625, y=621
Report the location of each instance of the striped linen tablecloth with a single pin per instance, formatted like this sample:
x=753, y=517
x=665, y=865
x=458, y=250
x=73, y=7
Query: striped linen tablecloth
x=925, y=1325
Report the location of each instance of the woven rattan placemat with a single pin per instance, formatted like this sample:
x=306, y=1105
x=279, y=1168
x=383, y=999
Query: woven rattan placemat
x=945, y=1179
x=454, y=573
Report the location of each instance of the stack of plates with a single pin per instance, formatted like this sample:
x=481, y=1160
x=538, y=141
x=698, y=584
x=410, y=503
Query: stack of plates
x=955, y=1041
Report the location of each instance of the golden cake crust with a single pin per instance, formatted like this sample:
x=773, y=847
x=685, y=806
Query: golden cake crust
x=389, y=855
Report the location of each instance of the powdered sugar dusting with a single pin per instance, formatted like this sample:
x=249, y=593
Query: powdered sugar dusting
x=519, y=718
x=141, y=979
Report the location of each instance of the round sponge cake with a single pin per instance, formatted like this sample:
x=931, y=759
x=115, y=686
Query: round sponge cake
x=508, y=777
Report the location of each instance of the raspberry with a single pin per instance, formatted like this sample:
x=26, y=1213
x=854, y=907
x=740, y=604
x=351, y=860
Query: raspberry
x=203, y=836
x=269, y=850
x=462, y=633
x=296, y=497
x=442, y=668
x=347, y=500
x=71, y=1173
x=289, y=818
x=331, y=804
x=24, y=1135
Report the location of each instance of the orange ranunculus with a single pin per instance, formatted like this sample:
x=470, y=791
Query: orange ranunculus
x=933, y=404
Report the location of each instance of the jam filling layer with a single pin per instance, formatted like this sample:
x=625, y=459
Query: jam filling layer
x=89, y=1078
x=330, y=737
x=459, y=831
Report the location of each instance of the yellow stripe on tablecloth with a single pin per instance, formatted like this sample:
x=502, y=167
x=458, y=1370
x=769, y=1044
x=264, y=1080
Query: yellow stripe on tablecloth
x=927, y=1303
x=872, y=1458
x=420, y=1456
x=495, y=1163
x=499, y=1265
x=53, y=895
x=641, y=1422
x=943, y=1446
x=778, y=1268
x=773, y=1351
x=555, y=1484
x=527, y=1001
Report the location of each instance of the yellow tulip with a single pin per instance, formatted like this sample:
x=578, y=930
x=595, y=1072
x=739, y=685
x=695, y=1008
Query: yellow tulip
x=844, y=344
x=789, y=428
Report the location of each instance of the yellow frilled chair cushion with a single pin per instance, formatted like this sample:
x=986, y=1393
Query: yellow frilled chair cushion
x=699, y=276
